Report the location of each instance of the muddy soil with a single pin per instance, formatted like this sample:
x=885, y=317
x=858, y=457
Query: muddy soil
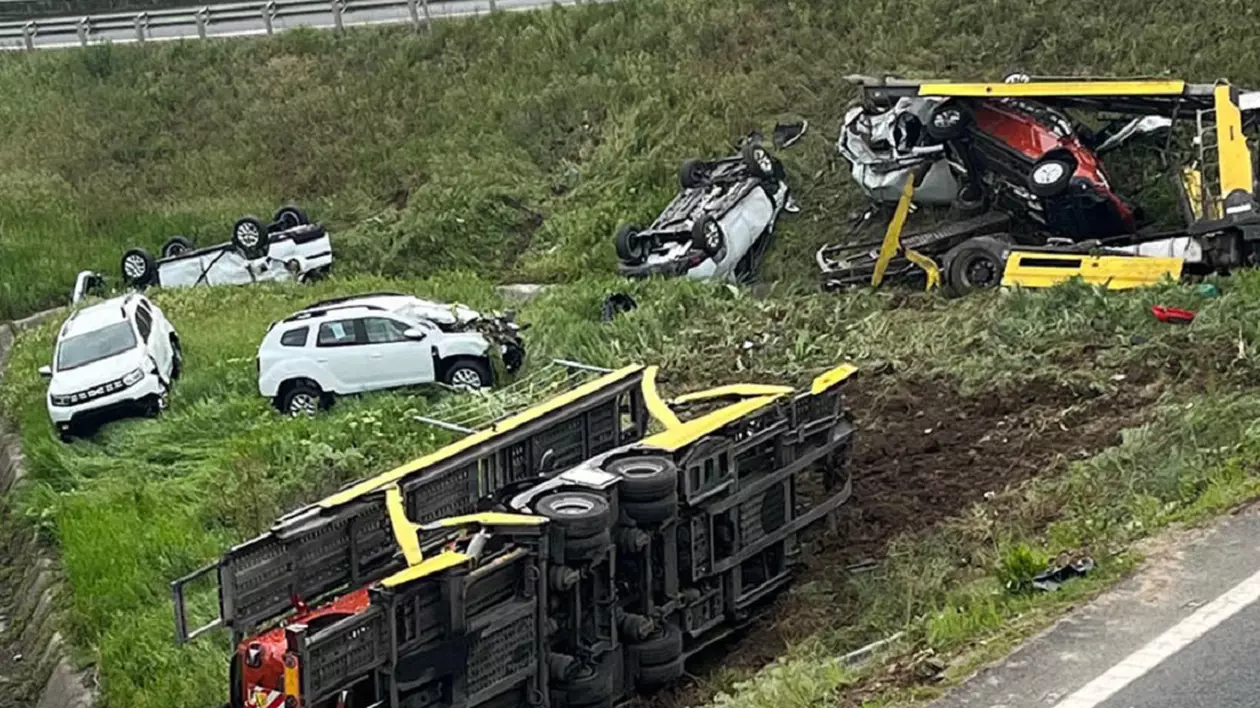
x=924, y=454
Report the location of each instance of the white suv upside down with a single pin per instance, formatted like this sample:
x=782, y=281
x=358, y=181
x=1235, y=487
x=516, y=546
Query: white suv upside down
x=110, y=359
x=380, y=341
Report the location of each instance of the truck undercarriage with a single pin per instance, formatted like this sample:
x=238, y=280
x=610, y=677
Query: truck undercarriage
x=562, y=557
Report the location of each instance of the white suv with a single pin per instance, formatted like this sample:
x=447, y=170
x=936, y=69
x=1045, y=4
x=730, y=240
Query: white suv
x=380, y=341
x=110, y=359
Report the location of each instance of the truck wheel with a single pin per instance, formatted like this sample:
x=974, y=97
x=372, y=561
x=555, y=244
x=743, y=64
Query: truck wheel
x=580, y=514
x=666, y=646
x=947, y=121
x=693, y=173
x=662, y=675
x=653, y=512
x=250, y=237
x=139, y=270
x=290, y=216
x=466, y=373
x=584, y=549
x=630, y=248
x=1051, y=175
x=975, y=264
x=590, y=685
x=645, y=478
x=176, y=246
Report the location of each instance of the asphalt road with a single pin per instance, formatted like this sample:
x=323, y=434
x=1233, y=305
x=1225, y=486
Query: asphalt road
x=1218, y=670
x=1183, y=632
x=321, y=18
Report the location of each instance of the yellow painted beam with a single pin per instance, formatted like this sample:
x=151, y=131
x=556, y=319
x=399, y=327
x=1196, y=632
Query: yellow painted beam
x=1055, y=89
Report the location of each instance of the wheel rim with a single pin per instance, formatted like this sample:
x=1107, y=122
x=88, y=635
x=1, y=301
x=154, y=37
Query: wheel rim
x=763, y=160
x=247, y=234
x=712, y=237
x=981, y=272
x=641, y=470
x=163, y=401
x=1048, y=173
x=467, y=378
x=134, y=267
x=572, y=506
x=947, y=118
x=175, y=249
x=302, y=404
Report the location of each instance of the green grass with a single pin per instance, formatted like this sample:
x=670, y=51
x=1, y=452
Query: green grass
x=509, y=149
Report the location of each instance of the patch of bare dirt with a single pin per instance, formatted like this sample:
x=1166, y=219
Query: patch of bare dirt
x=923, y=454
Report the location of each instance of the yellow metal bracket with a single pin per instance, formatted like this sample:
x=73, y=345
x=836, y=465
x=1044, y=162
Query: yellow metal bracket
x=1055, y=89
x=731, y=391
x=488, y=519
x=443, y=561
x=1032, y=269
x=1235, y=157
x=406, y=534
x=656, y=406
x=830, y=378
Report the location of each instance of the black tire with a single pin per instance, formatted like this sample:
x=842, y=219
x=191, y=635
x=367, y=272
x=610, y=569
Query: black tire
x=661, y=675
x=581, y=549
x=301, y=398
x=250, y=237
x=630, y=248
x=707, y=236
x=467, y=372
x=176, y=246
x=138, y=268
x=948, y=120
x=580, y=514
x=66, y=436
x=157, y=405
x=653, y=512
x=759, y=161
x=177, y=359
x=693, y=173
x=1050, y=176
x=591, y=685
x=289, y=216
x=970, y=200
x=665, y=647
x=645, y=479
x=975, y=264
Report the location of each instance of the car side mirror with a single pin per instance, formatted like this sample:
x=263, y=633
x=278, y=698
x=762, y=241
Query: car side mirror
x=414, y=333
x=45, y=371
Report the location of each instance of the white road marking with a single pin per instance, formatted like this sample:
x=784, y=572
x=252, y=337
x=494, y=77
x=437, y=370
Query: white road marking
x=1137, y=664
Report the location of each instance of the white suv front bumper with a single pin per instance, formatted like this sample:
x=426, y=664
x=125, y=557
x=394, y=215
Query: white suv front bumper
x=104, y=406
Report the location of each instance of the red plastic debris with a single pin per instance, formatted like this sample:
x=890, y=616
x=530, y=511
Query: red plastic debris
x=1172, y=315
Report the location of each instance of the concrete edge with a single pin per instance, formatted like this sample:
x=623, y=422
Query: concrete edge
x=48, y=677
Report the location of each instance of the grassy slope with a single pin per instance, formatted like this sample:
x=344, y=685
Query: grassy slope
x=440, y=152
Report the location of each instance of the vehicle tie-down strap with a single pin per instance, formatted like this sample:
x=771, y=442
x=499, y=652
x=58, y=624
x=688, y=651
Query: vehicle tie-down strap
x=892, y=239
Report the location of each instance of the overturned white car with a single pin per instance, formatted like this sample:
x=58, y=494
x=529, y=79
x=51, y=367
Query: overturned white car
x=719, y=226
x=288, y=248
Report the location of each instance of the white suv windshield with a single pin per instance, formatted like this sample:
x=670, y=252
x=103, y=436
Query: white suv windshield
x=94, y=346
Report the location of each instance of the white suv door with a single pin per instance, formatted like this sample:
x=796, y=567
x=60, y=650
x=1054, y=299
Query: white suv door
x=397, y=360
x=339, y=351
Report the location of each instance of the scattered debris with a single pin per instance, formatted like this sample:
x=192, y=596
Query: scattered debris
x=1172, y=315
x=1208, y=290
x=863, y=566
x=786, y=134
x=857, y=656
x=1052, y=579
x=615, y=304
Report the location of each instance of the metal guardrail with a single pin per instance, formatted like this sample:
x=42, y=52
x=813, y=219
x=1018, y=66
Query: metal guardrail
x=243, y=18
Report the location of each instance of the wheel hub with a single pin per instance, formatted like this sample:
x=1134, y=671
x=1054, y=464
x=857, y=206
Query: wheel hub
x=247, y=234
x=466, y=377
x=134, y=266
x=302, y=403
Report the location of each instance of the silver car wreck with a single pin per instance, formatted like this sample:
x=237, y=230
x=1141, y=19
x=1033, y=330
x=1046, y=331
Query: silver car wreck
x=719, y=226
